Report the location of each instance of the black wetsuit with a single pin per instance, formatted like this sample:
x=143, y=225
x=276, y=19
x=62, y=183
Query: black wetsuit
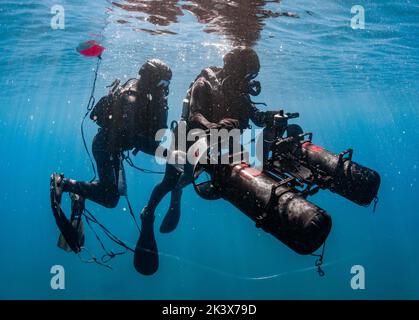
x=104, y=191
x=109, y=144
x=205, y=110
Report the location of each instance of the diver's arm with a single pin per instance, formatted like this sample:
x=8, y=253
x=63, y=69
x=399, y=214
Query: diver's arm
x=199, y=98
x=161, y=116
x=200, y=121
x=153, y=118
x=258, y=117
x=229, y=124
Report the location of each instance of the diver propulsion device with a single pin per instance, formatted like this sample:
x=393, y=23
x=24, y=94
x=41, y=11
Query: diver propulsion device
x=276, y=197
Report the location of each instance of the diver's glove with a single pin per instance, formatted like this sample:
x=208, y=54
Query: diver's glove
x=229, y=124
x=212, y=125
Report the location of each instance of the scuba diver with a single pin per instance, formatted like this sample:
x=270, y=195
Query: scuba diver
x=128, y=118
x=219, y=98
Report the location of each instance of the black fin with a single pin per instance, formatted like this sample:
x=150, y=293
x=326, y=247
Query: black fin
x=69, y=233
x=77, y=208
x=171, y=220
x=146, y=257
x=172, y=217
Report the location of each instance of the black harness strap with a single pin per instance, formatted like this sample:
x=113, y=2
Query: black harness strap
x=129, y=161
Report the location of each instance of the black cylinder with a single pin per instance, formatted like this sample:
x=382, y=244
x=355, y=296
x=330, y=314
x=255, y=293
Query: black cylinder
x=347, y=178
x=296, y=222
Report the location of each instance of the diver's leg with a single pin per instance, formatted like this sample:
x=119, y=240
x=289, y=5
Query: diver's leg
x=169, y=182
x=175, y=199
x=105, y=190
x=146, y=256
x=172, y=217
x=184, y=179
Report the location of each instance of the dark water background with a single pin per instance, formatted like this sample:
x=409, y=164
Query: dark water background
x=353, y=88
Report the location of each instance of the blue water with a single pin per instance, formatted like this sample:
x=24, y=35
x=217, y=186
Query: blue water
x=353, y=88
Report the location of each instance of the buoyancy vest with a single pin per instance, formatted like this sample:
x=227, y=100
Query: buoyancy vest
x=223, y=103
x=214, y=86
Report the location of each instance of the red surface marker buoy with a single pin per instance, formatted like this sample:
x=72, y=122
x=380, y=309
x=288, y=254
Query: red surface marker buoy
x=90, y=48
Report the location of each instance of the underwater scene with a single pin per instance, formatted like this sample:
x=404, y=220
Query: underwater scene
x=85, y=182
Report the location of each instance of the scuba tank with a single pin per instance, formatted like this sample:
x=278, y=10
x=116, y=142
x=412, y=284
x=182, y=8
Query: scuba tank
x=108, y=109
